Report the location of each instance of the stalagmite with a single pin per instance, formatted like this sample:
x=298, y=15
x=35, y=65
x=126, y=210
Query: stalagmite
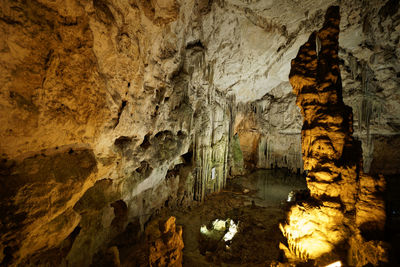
x=165, y=243
x=335, y=213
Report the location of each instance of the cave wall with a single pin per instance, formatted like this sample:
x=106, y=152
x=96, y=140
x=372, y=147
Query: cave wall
x=268, y=131
x=109, y=113
x=369, y=52
x=112, y=110
x=370, y=74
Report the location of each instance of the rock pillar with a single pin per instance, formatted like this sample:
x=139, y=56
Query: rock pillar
x=341, y=196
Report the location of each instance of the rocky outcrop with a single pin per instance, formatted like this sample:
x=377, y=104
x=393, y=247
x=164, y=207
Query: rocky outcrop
x=165, y=243
x=345, y=203
x=38, y=205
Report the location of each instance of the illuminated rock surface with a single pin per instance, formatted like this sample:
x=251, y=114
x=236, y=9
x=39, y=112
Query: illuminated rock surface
x=165, y=242
x=111, y=111
x=346, y=205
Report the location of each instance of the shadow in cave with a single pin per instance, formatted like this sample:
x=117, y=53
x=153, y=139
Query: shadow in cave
x=392, y=231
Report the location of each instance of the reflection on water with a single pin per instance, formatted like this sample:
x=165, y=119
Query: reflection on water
x=273, y=186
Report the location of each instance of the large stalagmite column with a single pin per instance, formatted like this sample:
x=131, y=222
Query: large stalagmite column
x=335, y=218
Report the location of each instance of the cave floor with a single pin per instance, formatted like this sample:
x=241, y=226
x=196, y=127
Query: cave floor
x=258, y=211
x=257, y=201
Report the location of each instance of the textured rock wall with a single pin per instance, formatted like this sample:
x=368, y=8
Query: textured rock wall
x=268, y=132
x=370, y=77
x=346, y=205
x=108, y=114
x=111, y=110
x=369, y=65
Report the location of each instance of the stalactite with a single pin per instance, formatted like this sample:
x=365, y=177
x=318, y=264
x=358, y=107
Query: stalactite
x=370, y=108
x=284, y=151
x=214, y=112
x=271, y=154
x=353, y=66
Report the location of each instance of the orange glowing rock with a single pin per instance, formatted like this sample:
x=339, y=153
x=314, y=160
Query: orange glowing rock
x=165, y=243
x=345, y=204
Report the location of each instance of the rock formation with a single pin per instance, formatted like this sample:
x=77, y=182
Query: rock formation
x=108, y=114
x=165, y=243
x=369, y=54
x=346, y=206
x=113, y=110
x=268, y=130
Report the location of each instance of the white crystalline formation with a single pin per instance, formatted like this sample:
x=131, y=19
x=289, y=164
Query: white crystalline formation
x=221, y=226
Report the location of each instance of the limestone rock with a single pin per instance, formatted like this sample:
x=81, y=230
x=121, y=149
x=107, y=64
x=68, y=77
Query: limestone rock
x=117, y=83
x=145, y=94
x=370, y=209
x=369, y=73
x=268, y=132
x=165, y=243
x=112, y=257
x=42, y=196
x=364, y=252
x=338, y=188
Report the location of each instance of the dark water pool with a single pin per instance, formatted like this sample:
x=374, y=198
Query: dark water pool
x=273, y=186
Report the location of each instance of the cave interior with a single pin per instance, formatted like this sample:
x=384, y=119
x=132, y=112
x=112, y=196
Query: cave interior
x=200, y=133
